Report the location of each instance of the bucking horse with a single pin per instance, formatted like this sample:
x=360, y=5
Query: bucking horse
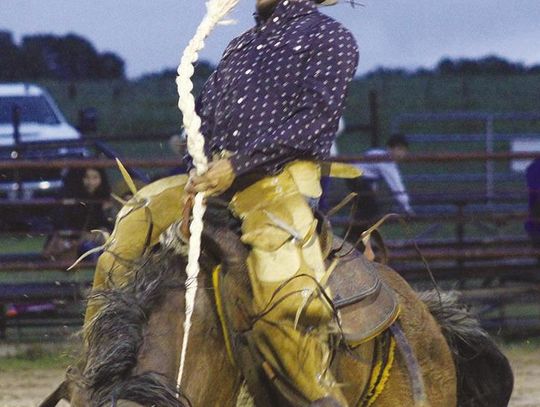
x=392, y=346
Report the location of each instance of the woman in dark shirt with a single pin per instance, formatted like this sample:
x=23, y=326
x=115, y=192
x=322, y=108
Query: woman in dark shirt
x=86, y=193
x=86, y=205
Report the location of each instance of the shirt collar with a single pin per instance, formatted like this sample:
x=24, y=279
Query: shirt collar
x=287, y=10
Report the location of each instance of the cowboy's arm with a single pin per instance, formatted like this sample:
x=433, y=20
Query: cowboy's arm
x=220, y=175
x=206, y=102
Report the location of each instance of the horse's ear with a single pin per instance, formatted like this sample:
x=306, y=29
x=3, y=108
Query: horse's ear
x=61, y=393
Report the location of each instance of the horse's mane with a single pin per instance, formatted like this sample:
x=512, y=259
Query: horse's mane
x=116, y=334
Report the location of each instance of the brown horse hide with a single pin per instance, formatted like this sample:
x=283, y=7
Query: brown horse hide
x=134, y=344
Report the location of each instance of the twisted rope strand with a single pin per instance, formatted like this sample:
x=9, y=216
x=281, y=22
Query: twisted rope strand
x=216, y=10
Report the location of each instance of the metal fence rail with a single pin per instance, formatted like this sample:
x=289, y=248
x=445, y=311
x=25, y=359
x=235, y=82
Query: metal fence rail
x=459, y=257
x=166, y=163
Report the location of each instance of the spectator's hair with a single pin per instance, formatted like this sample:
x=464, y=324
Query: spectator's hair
x=74, y=188
x=397, y=140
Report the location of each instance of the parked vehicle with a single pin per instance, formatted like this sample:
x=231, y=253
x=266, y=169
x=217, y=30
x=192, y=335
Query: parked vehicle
x=32, y=127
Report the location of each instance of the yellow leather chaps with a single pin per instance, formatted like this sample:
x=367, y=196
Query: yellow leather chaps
x=285, y=265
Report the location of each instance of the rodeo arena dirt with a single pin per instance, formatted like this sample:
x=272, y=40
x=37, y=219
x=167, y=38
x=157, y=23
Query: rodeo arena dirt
x=27, y=388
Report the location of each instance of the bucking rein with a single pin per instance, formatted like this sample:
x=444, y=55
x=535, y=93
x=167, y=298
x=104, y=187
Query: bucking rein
x=216, y=10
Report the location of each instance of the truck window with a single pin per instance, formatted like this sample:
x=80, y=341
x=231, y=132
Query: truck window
x=34, y=109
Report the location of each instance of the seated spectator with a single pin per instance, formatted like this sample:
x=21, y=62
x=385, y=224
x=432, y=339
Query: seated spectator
x=366, y=186
x=89, y=189
x=87, y=205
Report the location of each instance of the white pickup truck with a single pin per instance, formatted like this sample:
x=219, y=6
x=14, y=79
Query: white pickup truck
x=32, y=127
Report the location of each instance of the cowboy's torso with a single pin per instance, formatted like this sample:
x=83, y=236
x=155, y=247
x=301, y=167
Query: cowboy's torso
x=270, y=96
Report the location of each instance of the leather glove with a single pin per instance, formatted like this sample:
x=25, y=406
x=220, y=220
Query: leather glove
x=215, y=181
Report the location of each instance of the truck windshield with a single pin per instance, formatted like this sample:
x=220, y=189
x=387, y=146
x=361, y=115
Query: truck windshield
x=33, y=109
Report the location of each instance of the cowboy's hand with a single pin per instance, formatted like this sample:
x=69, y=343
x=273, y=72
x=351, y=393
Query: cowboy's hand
x=216, y=180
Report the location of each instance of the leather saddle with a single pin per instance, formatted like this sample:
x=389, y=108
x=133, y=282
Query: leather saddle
x=365, y=304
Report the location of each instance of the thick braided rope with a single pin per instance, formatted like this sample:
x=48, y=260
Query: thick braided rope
x=216, y=10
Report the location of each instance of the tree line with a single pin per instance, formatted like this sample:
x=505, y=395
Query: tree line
x=46, y=56
x=72, y=57
x=488, y=65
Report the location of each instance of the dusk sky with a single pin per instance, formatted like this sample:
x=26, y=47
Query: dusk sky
x=151, y=34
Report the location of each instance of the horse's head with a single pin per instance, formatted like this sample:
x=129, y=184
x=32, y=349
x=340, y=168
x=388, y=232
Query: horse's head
x=133, y=344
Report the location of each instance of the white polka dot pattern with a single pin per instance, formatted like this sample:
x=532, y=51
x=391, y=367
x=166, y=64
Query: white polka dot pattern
x=279, y=90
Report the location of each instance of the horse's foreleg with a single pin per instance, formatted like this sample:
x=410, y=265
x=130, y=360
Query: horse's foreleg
x=209, y=379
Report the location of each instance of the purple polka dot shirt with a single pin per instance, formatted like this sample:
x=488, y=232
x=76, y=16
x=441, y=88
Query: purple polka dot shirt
x=279, y=89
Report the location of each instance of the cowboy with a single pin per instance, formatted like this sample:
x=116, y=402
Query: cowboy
x=269, y=112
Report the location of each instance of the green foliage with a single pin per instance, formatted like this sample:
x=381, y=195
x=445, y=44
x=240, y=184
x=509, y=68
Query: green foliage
x=10, y=59
x=489, y=65
x=149, y=105
x=421, y=94
x=70, y=57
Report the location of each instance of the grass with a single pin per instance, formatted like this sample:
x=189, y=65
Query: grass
x=22, y=244
x=44, y=276
x=37, y=356
x=34, y=244
x=443, y=94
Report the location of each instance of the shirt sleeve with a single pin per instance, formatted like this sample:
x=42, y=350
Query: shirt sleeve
x=206, y=104
x=390, y=173
x=310, y=130
x=205, y=107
